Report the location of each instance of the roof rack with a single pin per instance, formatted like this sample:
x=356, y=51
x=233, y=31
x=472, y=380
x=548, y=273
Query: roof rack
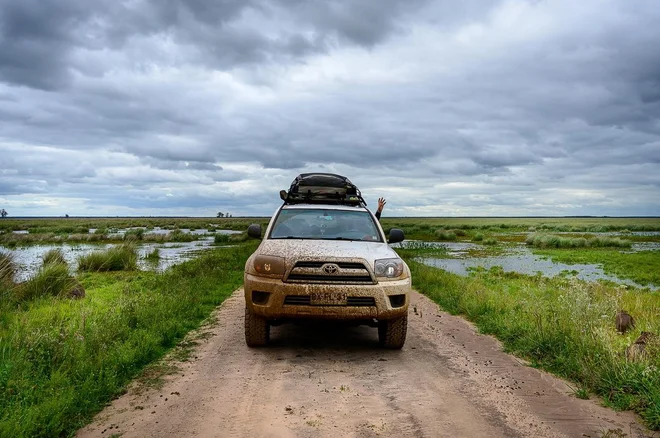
x=323, y=188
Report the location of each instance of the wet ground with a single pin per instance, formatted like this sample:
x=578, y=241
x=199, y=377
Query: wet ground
x=29, y=258
x=519, y=258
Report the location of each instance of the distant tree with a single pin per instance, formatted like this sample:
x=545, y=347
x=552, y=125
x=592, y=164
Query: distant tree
x=220, y=214
x=3, y=213
x=66, y=216
x=228, y=215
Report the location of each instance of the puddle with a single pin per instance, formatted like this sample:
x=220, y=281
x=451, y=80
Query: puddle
x=518, y=259
x=29, y=258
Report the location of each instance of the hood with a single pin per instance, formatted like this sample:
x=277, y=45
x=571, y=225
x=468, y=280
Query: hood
x=296, y=249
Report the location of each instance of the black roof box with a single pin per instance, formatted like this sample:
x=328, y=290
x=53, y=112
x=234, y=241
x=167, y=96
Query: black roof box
x=322, y=188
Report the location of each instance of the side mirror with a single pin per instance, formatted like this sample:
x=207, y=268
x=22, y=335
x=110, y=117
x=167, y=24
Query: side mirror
x=254, y=230
x=396, y=235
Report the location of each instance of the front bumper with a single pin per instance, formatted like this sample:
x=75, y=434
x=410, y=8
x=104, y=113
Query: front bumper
x=274, y=293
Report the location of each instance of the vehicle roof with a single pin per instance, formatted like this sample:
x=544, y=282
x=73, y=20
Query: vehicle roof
x=324, y=207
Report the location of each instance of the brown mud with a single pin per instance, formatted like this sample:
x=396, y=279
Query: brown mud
x=321, y=380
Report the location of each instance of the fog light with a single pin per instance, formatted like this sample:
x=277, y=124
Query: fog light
x=259, y=297
x=397, y=300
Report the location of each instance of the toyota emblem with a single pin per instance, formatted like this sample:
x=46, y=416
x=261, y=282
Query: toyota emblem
x=330, y=268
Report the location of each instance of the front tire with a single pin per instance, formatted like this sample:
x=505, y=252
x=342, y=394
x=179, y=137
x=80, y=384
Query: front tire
x=392, y=333
x=257, y=330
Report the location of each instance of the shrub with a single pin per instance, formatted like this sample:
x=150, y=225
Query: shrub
x=478, y=237
x=490, y=241
x=119, y=258
x=54, y=255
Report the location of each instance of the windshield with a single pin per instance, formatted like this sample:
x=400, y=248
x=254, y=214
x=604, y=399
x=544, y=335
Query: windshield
x=317, y=223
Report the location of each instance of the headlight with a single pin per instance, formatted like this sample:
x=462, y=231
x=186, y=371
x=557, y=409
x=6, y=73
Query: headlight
x=269, y=266
x=389, y=268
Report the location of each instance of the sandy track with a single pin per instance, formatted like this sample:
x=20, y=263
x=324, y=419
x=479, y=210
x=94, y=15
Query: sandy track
x=330, y=381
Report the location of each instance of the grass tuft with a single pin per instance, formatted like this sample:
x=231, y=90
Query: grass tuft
x=7, y=271
x=442, y=234
x=53, y=279
x=153, y=255
x=550, y=241
x=54, y=255
x=119, y=258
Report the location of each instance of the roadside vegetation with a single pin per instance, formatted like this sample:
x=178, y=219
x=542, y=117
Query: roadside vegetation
x=62, y=360
x=563, y=325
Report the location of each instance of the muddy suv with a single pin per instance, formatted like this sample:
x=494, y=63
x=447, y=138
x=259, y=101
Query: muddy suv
x=326, y=261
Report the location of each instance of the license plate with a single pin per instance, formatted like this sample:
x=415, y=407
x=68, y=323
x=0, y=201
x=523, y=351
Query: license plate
x=328, y=299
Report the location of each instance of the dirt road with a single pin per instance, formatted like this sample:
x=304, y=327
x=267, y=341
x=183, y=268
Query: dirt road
x=326, y=381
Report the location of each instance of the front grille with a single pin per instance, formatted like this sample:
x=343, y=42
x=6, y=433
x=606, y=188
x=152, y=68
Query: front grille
x=305, y=300
x=361, y=301
x=311, y=271
x=297, y=300
x=342, y=265
x=327, y=278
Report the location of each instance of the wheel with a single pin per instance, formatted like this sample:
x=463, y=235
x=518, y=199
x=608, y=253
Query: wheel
x=257, y=330
x=392, y=333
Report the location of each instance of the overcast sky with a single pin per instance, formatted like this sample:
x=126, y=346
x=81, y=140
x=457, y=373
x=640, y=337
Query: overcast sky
x=446, y=108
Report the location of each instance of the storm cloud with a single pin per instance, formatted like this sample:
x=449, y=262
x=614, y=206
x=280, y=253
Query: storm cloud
x=507, y=107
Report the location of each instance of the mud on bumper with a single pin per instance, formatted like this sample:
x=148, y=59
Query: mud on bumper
x=274, y=299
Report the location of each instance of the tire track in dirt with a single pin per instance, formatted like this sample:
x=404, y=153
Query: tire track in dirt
x=327, y=380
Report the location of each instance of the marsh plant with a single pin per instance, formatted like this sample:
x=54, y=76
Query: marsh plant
x=154, y=255
x=7, y=271
x=54, y=255
x=119, y=258
x=443, y=234
x=550, y=241
x=53, y=279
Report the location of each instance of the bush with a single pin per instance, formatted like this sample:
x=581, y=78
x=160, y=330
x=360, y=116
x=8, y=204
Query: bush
x=478, y=237
x=119, y=258
x=490, y=241
x=54, y=255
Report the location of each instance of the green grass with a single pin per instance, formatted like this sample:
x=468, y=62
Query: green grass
x=562, y=325
x=7, y=273
x=549, y=241
x=153, y=255
x=118, y=258
x=54, y=255
x=443, y=234
x=61, y=361
x=642, y=267
x=52, y=279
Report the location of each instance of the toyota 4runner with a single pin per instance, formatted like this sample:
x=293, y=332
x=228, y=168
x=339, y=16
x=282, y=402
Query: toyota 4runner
x=326, y=260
